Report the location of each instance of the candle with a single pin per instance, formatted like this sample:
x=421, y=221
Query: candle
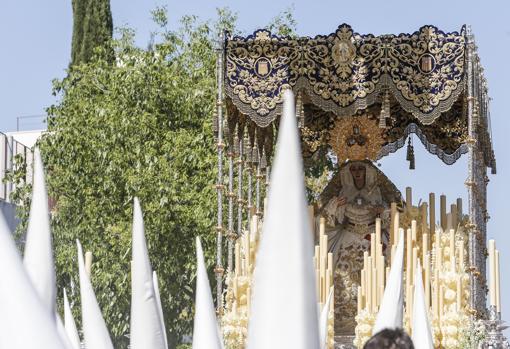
x=449, y=223
x=424, y=227
x=363, y=282
x=360, y=300
x=393, y=211
x=413, y=230
x=459, y=209
x=459, y=293
x=452, y=249
x=409, y=198
x=237, y=258
x=435, y=295
x=415, y=263
x=442, y=208
x=498, y=294
x=432, y=216
x=441, y=302
x=426, y=265
x=374, y=290
x=425, y=248
x=372, y=248
x=461, y=255
x=397, y=227
x=455, y=216
x=369, y=285
x=492, y=266
x=409, y=263
x=377, y=232
x=322, y=226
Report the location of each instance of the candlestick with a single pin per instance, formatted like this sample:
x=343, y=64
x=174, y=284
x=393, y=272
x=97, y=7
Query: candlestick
x=432, y=213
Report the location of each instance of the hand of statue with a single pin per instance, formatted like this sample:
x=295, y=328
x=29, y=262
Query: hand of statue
x=341, y=201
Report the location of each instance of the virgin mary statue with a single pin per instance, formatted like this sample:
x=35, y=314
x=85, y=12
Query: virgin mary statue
x=353, y=199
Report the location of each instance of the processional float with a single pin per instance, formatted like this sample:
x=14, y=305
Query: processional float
x=359, y=98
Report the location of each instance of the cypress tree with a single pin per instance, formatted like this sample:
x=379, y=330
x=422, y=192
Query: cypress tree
x=92, y=27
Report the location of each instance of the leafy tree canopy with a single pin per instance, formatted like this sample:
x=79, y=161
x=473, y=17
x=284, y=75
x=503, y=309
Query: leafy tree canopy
x=138, y=127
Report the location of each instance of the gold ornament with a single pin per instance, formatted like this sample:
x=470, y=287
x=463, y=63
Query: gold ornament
x=356, y=138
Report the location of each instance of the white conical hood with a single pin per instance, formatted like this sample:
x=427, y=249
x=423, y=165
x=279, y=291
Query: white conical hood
x=70, y=324
x=38, y=258
x=25, y=321
x=392, y=306
x=95, y=332
x=323, y=321
x=205, y=327
x=284, y=304
x=146, y=330
x=160, y=307
x=422, y=335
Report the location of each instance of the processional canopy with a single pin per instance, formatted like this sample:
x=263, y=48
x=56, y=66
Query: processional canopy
x=360, y=95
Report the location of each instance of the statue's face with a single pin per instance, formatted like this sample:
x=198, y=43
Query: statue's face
x=358, y=172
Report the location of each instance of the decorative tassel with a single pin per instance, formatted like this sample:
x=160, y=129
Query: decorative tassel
x=385, y=110
x=410, y=154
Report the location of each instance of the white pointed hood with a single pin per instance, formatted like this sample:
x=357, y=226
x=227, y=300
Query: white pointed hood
x=95, y=332
x=205, y=327
x=422, y=334
x=38, y=258
x=25, y=321
x=284, y=304
x=390, y=314
x=160, y=307
x=70, y=324
x=146, y=330
x=323, y=324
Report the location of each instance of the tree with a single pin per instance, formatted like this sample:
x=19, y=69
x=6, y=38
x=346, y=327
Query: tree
x=141, y=127
x=92, y=28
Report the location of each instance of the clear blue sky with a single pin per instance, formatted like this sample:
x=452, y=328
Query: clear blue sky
x=36, y=37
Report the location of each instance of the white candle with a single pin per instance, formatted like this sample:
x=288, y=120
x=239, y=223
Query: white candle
x=492, y=269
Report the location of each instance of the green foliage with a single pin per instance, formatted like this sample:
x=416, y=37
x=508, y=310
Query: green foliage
x=92, y=28
x=140, y=127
